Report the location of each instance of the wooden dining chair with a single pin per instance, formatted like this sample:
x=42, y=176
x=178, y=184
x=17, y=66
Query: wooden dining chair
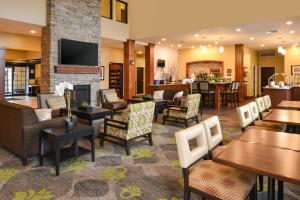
x=230, y=94
x=206, y=92
x=208, y=179
x=267, y=102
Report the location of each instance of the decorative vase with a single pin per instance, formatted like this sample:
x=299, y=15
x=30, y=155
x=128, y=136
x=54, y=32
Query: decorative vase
x=70, y=122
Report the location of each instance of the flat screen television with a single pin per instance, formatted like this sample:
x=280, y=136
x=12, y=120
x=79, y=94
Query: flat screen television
x=161, y=63
x=78, y=53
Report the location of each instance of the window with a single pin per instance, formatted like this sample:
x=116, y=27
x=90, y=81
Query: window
x=121, y=11
x=106, y=8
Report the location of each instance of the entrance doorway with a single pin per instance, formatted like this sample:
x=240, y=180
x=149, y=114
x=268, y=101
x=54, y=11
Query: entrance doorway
x=16, y=80
x=140, y=80
x=265, y=74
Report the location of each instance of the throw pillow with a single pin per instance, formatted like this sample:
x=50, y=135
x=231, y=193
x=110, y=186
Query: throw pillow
x=158, y=95
x=111, y=97
x=43, y=114
x=56, y=103
x=178, y=94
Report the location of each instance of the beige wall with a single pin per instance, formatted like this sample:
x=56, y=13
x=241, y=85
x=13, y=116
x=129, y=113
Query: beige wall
x=109, y=54
x=29, y=11
x=190, y=55
x=292, y=57
x=250, y=60
x=187, y=17
x=12, y=54
x=268, y=61
x=21, y=42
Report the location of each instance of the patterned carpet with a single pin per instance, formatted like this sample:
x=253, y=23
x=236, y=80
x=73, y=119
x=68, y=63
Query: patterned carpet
x=151, y=173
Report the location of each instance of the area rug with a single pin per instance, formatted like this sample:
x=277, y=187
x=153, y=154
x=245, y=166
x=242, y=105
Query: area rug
x=151, y=173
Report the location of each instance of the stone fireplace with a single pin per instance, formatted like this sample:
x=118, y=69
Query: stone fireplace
x=75, y=20
x=81, y=93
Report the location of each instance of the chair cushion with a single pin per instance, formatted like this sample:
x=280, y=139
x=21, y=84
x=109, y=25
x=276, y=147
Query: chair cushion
x=270, y=125
x=43, y=114
x=159, y=94
x=175, y=113
x=56, y=103
x=111, y=97
x=221, y=181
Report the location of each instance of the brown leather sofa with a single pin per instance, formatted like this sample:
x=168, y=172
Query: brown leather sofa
x=117, y=105
x=20, y=128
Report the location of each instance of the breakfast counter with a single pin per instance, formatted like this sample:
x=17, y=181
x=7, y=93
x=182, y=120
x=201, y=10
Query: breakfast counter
x=170, y=86
x=280, y=94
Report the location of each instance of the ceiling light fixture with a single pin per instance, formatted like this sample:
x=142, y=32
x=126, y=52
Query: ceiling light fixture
x=251, y=38
x=280, y=48
x=238, y=30
x=164, y=39
x=193, y=47
x=291, y=32
x=158, y=42
x=289, y=23
x=283, y=52
x=269, y=32
x=262, y=45
x=204, y=49
x=179, y=45
x=196, y=35
x=216, y=42
x=221, y=49
x=295, y=44
x=172, y=45
x=209, y=45
x=33, y=31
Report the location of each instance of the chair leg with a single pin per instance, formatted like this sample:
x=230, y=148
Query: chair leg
x=186, y=194
x=164, y=119
x=208, y=100
x=261, y=183
x=186, y=123
x=150, y=139
x=237, y=99
x=127, y=148
x=253, y=193
x=24, y=161
x=197, y=119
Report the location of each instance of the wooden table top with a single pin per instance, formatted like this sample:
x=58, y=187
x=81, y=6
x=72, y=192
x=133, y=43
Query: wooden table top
x=289, y=104
x=272, y=139
x=265, y=160
x=283, y=116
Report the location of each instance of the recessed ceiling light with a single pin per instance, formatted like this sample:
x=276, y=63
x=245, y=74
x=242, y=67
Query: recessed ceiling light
x=164, y=39
x=158, y=42
x=33, y=31
x=289, y=23
x=269, y=32
x=209, y=45
x=295, y=44
x=238, y=30
x=179, y=45
x=216, y=42
x=291, y=32
x=221, y=49
x=193, y=47
x=251, y=38
x=172, y=45
x=196, y=35
x=140, y=52
x=262, y=45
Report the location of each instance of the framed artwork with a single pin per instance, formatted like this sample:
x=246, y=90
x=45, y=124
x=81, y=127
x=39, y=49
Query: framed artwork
x=295, y=69
x=101, y=72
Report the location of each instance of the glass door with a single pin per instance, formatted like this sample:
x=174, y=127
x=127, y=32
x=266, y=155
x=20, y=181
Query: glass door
x=8, y=81
x=20, y=80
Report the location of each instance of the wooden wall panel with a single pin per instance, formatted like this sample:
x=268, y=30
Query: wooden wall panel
x=149, y=67
x=2, y=74
x=239, y=68
x=129, y=70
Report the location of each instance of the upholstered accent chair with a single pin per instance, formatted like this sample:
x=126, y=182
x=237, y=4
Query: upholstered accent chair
x=187, y=112
x=195, y=170
x=117, y=104
x=266, y=125
x=261, y=107
x=135, y=122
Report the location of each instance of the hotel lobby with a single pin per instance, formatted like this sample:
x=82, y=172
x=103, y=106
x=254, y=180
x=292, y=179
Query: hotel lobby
x=154, y=100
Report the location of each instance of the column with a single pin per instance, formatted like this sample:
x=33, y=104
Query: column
x=149, y=67
x=239, y=68
x=129, y=70
x=2, y=74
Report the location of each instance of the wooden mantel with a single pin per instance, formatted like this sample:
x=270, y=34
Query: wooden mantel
x=76, y=69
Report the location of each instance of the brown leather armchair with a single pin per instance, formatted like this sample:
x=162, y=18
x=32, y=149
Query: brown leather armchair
x=20, y=128
x=117, y=105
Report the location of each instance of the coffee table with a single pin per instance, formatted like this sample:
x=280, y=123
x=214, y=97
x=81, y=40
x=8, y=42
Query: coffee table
x=59, y=135
x=94, y=114
x=160, y=105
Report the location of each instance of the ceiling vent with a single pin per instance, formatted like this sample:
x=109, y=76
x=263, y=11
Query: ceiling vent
x=267, y=54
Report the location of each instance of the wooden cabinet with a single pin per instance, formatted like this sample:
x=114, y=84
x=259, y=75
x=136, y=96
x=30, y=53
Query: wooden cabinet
x=116, y=78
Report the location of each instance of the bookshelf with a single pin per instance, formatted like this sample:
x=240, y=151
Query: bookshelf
x=116, y=78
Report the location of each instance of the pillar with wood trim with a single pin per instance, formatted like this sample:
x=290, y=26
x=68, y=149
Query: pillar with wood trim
x=2, y=74
x=239, y=69
x=149, y=67
x=129, y=70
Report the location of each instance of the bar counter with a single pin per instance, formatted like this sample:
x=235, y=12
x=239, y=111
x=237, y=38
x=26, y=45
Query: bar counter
x=170, y=86
x=279, y=94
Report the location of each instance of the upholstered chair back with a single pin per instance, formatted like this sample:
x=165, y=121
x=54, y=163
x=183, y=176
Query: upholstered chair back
x=139, y=118
x=192, y=103
x=244, y=115
x=254, y=111
x=267, y=101
x=204, y=86
x=188, y=156
x=213, y=132
x=260, y=104
x=103, y=92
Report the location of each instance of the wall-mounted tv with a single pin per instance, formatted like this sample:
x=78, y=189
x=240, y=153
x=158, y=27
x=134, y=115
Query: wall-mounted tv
x=161, y=63
x=78, y=53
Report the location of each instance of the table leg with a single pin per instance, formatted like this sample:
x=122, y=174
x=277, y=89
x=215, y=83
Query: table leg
x=217, y=97
x=57, y=157
x=280, y=190
x=93, y=147
x=76, y=147
x=41, y=149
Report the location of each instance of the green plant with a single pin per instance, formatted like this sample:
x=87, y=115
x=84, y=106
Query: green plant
x=84, y=104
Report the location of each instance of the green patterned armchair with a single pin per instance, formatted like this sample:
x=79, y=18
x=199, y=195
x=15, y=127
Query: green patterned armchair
x=186, y=113
x=135, y=123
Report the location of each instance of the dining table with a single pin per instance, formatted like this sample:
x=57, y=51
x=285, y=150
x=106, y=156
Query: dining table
x=293, y=105
x=218, y=86
x=268, y=153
